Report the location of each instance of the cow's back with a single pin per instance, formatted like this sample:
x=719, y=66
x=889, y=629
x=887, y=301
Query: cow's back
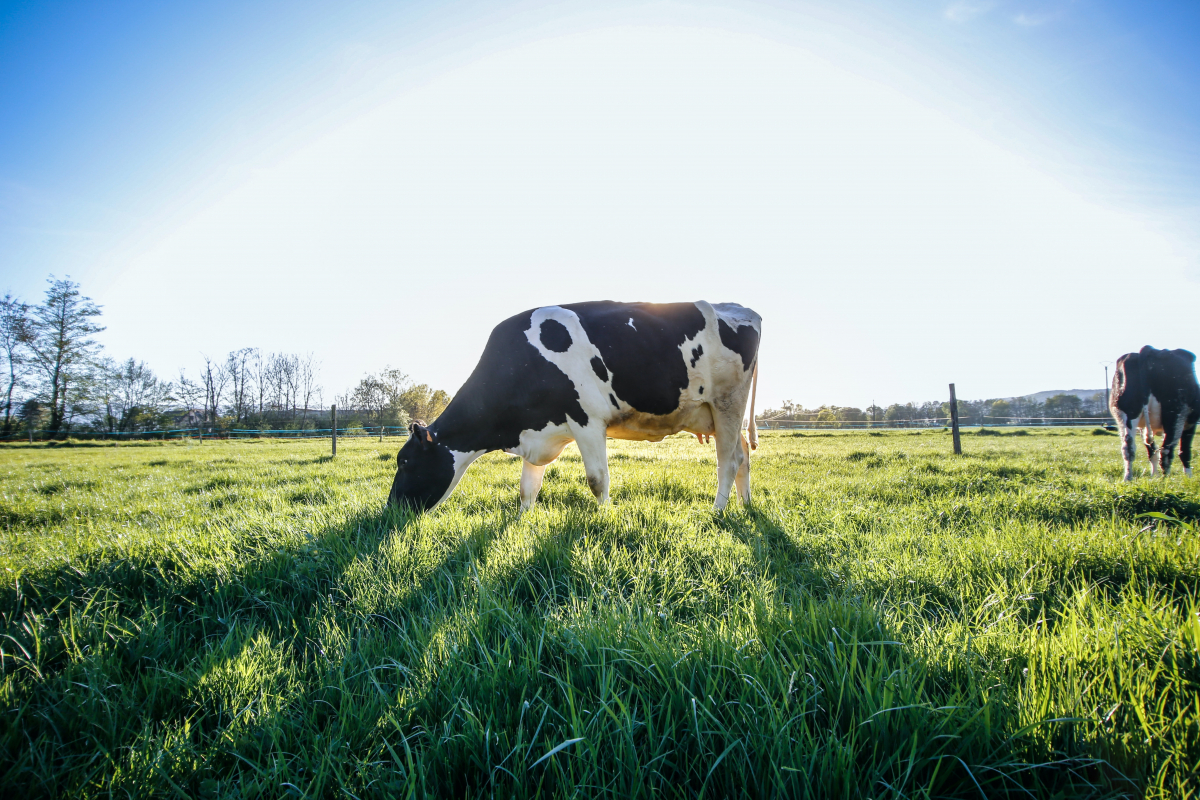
x=1171, y=376
x=640, y=347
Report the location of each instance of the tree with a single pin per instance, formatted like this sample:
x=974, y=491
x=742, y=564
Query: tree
x=237, y=366
x=1095, y=406
x=391, y=398
x=136, y=396
x=258, y=371
x=1064, y=406
x=216, y=379
x=964, y=411
x=1000, y=412
x=900, y=413
x=851, y=414
x=423, y=403
x=15, y=335
x=309, y=388
x=370, y=396
x=190, y=393
x=32, y=415
x=106, y=391
x=61, y=343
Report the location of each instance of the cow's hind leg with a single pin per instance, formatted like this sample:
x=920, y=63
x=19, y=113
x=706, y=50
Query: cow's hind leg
x=531, y=483
x=730, y=458
x=1151, y=447
x=1185, y=444
x=593, y=448
x=1127, y=427
x=742, y=480
x=1172, y=433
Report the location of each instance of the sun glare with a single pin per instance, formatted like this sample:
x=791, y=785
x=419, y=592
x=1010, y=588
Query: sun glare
x=656, y=163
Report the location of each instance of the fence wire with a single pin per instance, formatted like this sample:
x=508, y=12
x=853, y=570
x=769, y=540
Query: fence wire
x=351, y=432
x=932, y=422
x=399, y=431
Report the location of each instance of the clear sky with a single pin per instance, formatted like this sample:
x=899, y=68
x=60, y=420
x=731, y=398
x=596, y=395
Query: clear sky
x=1000, y=194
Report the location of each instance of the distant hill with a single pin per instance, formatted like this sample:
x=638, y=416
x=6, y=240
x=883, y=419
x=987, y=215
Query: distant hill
x=1082, y=394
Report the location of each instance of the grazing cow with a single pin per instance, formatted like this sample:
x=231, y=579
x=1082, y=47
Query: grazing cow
x=1156, y=390
x=585, y=372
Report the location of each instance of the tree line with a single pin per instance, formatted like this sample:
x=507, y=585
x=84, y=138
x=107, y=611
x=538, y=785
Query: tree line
x=993, y=411
x=59, y=380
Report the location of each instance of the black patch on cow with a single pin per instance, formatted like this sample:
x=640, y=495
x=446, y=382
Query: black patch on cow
x=744, y=341
x=599, y=368
x=424, y=471
x=702, y=388
x=555, y=336
x=513, y=388
x=698, y=351
x=616, y=405
x=648, y=371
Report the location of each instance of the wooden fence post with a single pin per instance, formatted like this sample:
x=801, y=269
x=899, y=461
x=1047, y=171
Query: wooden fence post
x=333, y=431
x=954, y=422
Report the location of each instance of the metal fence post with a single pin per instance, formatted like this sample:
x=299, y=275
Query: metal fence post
x=333, y=430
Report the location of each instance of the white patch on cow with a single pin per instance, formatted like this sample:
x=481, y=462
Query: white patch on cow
x=531, y=483
x=736, y=316
x=630, y=324
x=1150, y=422
x=461, y=462
x=575, y=363
x=1153, y=414
x=541, y=447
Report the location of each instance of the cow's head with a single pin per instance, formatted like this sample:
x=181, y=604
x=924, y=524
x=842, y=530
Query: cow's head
x=424, y=470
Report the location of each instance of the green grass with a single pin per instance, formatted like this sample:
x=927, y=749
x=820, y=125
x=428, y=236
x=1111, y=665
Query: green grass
x=242, y=619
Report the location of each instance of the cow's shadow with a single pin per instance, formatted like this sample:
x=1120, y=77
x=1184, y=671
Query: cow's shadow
x=213, y=614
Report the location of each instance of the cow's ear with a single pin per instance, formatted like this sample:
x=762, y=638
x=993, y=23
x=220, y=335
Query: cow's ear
x=422, y=434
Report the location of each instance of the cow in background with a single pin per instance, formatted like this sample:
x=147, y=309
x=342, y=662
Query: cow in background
x=1156, y=390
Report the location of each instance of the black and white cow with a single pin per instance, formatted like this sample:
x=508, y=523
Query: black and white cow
x=586, y=372
x=1156, y=390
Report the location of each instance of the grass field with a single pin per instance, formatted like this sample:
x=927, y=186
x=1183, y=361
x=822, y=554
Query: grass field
x=242, y=619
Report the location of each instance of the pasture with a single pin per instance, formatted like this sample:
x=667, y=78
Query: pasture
x=240, y=619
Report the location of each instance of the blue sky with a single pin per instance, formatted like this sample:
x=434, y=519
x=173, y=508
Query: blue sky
x=381, y=184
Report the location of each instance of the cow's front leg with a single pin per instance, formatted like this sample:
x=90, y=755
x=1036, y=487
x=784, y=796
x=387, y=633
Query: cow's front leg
x=531, y=483
x=593, y=448
x=1128, y=430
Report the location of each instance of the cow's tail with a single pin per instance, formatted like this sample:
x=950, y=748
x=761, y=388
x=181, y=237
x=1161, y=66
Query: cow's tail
x=753, y=430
